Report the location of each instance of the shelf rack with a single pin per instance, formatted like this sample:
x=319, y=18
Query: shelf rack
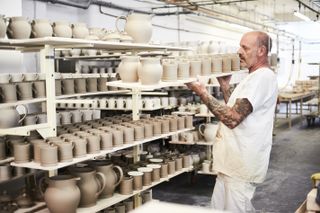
x=34, y=165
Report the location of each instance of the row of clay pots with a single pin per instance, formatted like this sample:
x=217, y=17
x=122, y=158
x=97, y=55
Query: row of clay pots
x=138, y=28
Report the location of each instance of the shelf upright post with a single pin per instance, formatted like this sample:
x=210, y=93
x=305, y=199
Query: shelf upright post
x=136, y=98
x=47, y=67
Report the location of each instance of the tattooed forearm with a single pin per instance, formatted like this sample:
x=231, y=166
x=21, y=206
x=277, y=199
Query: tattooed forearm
x=231, y=117
x=227, y=93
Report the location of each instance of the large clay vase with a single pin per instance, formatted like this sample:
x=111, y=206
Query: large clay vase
x=150, y=71
x=62, y=29
x=19, y=28
x=208, y=131
x=80, y=30
x=62, y=194
x=91, y=184
x=41, y=28
x=10, y=117
x=139, y=27
x=112, y=178
x=3, y=27
x=128, y=68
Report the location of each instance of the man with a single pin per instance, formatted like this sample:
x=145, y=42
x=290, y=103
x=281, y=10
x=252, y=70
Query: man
x=243, y=142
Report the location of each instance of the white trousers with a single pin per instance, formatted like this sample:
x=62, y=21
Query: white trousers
x=232, y=195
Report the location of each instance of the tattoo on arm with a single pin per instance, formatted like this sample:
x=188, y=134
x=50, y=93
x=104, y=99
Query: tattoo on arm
x=227, y=93
x=231, y=117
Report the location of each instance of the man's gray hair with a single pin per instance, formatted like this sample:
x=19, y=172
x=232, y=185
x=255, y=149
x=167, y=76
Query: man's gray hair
x=264, y=40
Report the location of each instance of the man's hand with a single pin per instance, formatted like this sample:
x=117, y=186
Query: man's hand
x=197, y=87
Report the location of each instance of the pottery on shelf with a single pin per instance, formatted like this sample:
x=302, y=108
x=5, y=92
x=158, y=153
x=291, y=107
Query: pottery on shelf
x=208, y=131
x=79, y=30
x=62, y=29
x=10, y=117
x=128, y=68
x=3, y=26
x=150, y=71
x=41, y=28
x=19, y=28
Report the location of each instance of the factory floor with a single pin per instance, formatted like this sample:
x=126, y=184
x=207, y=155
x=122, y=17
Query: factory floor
x=294, y=158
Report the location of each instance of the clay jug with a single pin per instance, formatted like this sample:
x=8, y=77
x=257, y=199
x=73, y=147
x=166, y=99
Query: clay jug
x=91, y=184
x=10, y=117
x=62, y=195
x=41, y=28
x=138, y=26
x=3, y=26
x=19, y=28
x=150, y=71
x=112, y=178
x=128, y=68
x=80, y=30
x=62, y=29
x=208, y=131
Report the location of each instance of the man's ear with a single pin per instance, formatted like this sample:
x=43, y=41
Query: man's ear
x=262, y=51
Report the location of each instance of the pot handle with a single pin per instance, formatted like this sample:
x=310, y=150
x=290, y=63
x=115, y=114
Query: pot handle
x=41, y=182
x=101, y=182
x=117, y=21
x=25, y=114
x=121, y=174
x=200, y=129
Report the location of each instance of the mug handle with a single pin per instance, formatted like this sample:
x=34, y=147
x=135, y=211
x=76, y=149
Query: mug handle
x=40, y=186
x=117, y=21
x=200, y=129
x=101, y=182
x=25, y=114
x=121, y=174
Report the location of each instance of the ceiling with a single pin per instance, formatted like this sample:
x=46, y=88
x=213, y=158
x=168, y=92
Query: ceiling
x=256, y=14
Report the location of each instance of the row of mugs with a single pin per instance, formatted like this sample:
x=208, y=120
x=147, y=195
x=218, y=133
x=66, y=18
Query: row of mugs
x=6, y=78
x=13, y=92
x=207, y=166
x=123, y=103
x=188, y=137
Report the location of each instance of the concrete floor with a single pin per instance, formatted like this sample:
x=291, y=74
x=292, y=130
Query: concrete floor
x=295, y=156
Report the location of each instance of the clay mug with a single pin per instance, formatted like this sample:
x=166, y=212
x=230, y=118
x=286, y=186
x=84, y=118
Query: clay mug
x=155, y=171
x=92, y=84
x=48, y=155
x=62, y=29
x=216, y=64
x=5, y=78
x=58, y=87
x=11, y=116
x=164, y=101
x=120, y=208
x=3, y=26
x=188, y=121
x=126, y=186
x=147, y=175
x=65, y=117
x=30, y=120
x=206, y=167
x=36, y=144
x=80, y=85
x=62, y=194
x=76, y=116
x=106, y=140
x=41, y=28
x=148, y=103
x=87, y=115
x=173, y=101
x=3, y=148
x=171, y=167
x=21, y=152
x=42, y=118
x=137, y=179
x=79, y=30
x=96, y=114
x=5, y=172
x=67, y=86
x=187, y=137
x=128, y=205
x=111, y=103
x=17, y=77
x=195, y=68
x=102, y=84
x=102, y=103
x=39, y=89
x=186, y=161
x=170, y=71
x=208, y=131
x=164, y=170
x=138, y=26
x=205, y=66
x=80, y=146
x=31, y=76
x=226, y=63
x=183, y=70
x=8, y=93
x=117, y=137
x=146, y=196
x=178, y=162
x=113, y=179
x=181, y=123
x=65, y=151
x=19, y=28
x=119, y=103
x=25, y=90
x=128, y=134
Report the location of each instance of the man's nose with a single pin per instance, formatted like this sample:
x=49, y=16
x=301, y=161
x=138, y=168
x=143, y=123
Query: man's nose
x=239, y=51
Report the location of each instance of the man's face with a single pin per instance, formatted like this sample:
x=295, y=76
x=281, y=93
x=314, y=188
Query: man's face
x=248, y=50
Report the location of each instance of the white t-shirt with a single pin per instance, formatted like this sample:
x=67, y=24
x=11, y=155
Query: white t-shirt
x=243, y=152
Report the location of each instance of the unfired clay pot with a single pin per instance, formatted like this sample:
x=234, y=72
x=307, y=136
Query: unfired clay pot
x=139, y=27
x=80, y=30
x=10, y=117
x=19, y=28
x=112, y=178
x=3, y=27
x=150, y=71
x=62, y=194
x=41, y=28
x=209, y=132
x=128, y=68
x=62, y=29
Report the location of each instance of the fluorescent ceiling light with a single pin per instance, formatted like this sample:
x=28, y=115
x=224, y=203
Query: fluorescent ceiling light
x=301, y=16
